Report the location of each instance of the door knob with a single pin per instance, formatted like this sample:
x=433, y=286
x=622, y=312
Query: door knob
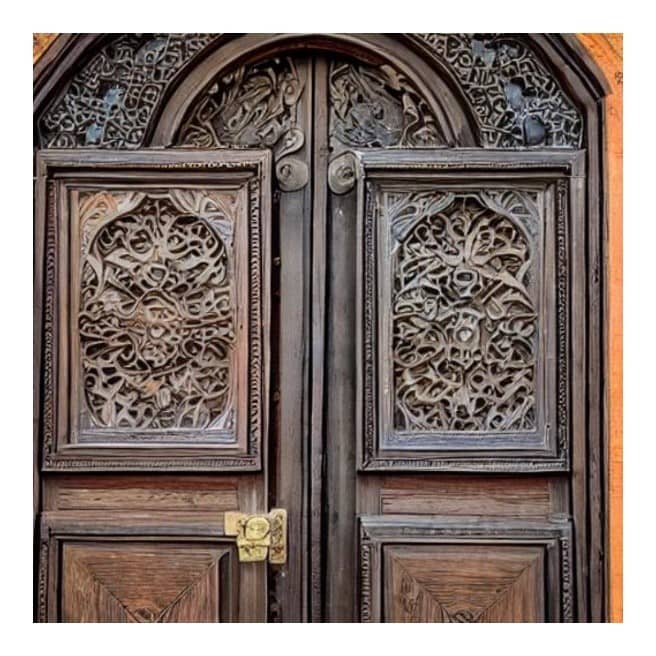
x=259, y=536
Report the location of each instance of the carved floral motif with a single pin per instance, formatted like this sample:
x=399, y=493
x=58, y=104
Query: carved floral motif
x=250, y=106
x=156, y=308
x=378, y=107
x=464, y=319
x=253, y=106
x=517, y=101
x=111, y=100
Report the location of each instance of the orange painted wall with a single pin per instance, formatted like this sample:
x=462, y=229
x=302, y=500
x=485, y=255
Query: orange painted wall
x=606, y=50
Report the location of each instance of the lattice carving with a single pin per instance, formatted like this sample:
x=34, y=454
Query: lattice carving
x=156, y=316
x=378, y=107
x=464, y=315
x=517, y=101
x=110, y=101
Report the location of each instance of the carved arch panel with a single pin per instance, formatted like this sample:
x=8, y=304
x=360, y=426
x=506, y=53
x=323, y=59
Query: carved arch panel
x=508, y=91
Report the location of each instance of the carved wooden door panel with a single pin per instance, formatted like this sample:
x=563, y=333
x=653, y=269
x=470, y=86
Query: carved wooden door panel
x=460, y=386
x=342, y=275
x=155, y=359
x=449, y=409
x=464, y=368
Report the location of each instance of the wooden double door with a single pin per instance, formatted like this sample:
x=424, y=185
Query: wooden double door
x=309, y=300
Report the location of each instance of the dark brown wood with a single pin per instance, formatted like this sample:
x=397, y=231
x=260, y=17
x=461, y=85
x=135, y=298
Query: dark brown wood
x=288, y=600
x=315, y=463
x=404, y=579
x=488, y=512
x=145, y=412
x=403, y=187
x=148, y=567
x=464, y=583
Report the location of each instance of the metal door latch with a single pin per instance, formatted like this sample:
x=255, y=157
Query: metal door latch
x=259, y=535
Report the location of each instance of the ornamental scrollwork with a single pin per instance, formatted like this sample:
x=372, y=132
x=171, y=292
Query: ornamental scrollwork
x=156, y=320
x=516, y=100
x=113, y=99
x=378, y=107
x=464, y=313
x=255, y=106
x=110, y=101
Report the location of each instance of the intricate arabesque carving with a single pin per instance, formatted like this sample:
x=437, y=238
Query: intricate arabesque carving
x=464, y=319
x=253, y=106
x=378, y=107
x=517, y=101
x=110, y=101
x=156, y=309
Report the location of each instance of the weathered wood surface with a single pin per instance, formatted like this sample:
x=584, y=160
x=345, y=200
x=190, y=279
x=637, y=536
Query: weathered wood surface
x=373, y=94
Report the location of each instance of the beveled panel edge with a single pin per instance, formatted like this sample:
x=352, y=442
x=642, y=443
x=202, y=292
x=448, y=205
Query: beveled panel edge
x=58, y=526
x=554, y=533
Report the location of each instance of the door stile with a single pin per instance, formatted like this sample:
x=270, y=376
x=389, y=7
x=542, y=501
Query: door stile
x=320, y=154
x=288, y=595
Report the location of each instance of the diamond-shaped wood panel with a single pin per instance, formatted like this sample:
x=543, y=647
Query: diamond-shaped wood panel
x=465, y=583
x=141, y=582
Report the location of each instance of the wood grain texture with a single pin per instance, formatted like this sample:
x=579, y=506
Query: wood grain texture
x=318, y=410
x=467, y=583
x=115, y=445
x=467, y=569
x=452, y=495
x=134, y=492
x=606, y=49
x=141, y=583
x=152, y=566
x=386, y=177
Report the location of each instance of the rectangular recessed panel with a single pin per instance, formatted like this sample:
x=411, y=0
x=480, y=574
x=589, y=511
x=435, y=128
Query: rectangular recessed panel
x=464, y=583
x=155, y=321
x=156, y=311
x=144, y=566
x=143, y=582
x=495, y=496
x=436, y=568
x=463, y=319
x=460, y=336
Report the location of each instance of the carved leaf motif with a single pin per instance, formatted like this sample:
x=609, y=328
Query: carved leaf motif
x=111, y=101
x=156, y=309
x=464, y=320
x=377, y=107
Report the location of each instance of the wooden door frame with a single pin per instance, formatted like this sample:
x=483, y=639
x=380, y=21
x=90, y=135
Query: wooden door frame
x=589, y=65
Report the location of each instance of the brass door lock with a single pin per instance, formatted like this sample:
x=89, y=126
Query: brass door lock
x=259, y=535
